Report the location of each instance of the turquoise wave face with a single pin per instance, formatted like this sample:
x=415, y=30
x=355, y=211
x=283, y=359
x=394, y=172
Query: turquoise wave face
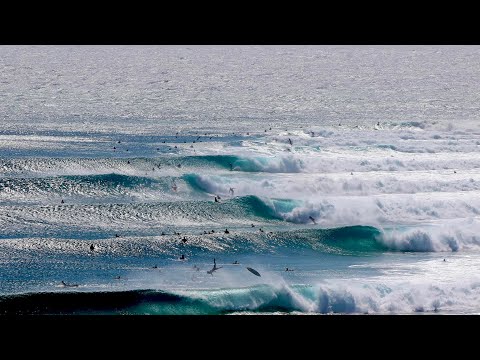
x=256, y=299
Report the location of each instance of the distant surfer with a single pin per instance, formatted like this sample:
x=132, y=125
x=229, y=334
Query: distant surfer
x=69, y=285
x=231, y=191
x=117, y=277
x=226, y=231
x=92, y=247
x=290, y=141
x=215, y=268
x=182, y=257
x=62, y=202
x=260, y=230
x=287, y=269
x=216, y=199
x=253, y=225
x=116, y=235
x=184, y=239
x=154, y=267
x=231, y=166
x=174, y=186
x=313, y=220
x=236, y=263
x=444, y=260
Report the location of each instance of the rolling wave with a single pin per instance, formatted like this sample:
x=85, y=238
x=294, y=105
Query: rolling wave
x=348, y=240
x=324, y=298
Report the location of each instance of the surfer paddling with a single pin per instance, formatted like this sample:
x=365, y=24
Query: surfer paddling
x=215, y=268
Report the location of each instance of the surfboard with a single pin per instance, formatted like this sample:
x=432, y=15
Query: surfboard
x=253, y=271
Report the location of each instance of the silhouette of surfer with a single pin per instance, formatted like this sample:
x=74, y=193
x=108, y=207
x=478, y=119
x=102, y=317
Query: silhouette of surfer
x=63, y=202
x=215, y=268
x=226, y=231
x=184, y=239
x=231, y=166
x=287, y=269
x=92, y=247
x=216, y=199
x=236, y=263
x=182, y=257
x=290, y=141
x=231, y=191
x=313, y=220
x=69, y=285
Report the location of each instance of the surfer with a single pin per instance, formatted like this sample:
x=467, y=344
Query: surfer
x=253, y=225
x=260, y=230
x=231, y=191
x=290, y=141
x=226, y=231
x=182, y=257
x=92, y=247
x=215, y=268
x=117, y=277
x=231, y=166
x=62, y=202
x=236, y=263
x=69, y=285
x=163, y=233
x=174, y=186
x=313, y=220
x=287, y=269
x=116, y=235
x=216, y=199
x=184, y=239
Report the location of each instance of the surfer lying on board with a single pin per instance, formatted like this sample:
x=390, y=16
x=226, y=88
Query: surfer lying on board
x=69, y=285
x=214, y=268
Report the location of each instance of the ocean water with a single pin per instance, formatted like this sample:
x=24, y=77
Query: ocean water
x=356, y=167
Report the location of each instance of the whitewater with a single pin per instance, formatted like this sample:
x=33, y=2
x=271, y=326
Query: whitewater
x=356, y=167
